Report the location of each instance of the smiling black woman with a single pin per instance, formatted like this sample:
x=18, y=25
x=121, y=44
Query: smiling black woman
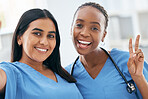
x=94, y=70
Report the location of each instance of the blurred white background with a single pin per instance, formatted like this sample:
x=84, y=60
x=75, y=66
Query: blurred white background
x=127, y=18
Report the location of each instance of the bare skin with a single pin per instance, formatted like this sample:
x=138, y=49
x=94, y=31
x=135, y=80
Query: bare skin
x=3, y=82
x=38, y=42
x=135, y=66
x=2, y=76
x=88, y=30
x=94, y=65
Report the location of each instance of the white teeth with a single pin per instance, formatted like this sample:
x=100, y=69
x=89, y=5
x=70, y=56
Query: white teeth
x=84, y=42
x=44, y=50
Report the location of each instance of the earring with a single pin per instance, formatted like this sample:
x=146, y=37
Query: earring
x=19, y=43
x=102, y=43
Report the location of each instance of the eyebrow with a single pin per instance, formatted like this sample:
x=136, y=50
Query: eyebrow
x=52, y=32
x=37, y=29
x=80, y=20
x=95, y=23
x=90, y=22
x=43, y=30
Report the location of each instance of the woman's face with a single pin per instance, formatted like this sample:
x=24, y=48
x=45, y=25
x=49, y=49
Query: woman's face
x=38, y=41
x=88, y=29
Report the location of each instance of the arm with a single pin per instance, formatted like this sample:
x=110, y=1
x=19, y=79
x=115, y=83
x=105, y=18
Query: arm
x=135, y=66
x=3, y=77
x=3, y=80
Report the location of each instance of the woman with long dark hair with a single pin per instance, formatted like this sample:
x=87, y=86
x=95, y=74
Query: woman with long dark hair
x=35, y=70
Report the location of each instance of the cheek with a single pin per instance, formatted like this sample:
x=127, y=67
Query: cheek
x=27, y=47
x=97, y=39
x=75, y=31
x=52, y=44
x=75, y=34
x=28, y=43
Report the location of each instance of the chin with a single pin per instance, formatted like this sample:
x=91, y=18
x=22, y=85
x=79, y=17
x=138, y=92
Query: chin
x=40, y=60
x=82, y=52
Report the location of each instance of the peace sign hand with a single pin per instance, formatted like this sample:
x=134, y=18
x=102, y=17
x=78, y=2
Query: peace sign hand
x=136, y=59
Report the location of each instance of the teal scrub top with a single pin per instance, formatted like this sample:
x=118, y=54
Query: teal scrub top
x=24, y=82
x=108, y=84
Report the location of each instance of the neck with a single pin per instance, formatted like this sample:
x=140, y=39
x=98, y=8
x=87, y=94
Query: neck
x=35, y=65
x=94, y=58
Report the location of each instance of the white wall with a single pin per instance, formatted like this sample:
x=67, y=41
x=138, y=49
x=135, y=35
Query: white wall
x=63, y=11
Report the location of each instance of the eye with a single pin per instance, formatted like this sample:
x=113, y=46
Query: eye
x=37, y=33
x=51, y=36
x=79, y=25
x=94, y=28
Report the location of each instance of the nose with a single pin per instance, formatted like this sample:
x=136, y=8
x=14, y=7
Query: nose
x=44, y=41
x=85, y=32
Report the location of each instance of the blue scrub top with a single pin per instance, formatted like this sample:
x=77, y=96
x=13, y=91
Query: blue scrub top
x=108, y=84
x=24, y=82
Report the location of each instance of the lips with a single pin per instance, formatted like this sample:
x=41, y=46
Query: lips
x=83, y=44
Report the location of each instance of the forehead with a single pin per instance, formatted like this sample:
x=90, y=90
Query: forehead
x=90, y=14
x=42, y=23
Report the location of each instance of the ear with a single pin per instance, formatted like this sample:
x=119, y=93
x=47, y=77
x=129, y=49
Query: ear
x=71, y=31
x=104, y=35
x=19, y=40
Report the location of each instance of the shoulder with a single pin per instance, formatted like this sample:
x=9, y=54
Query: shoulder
x=119, y=51
x=119, y=55
x=9, y=68
x=7, y=65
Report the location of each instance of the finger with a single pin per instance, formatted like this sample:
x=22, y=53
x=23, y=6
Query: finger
x=131, y=58
x=138, y=51
x=137, y=42
x=130, y=64
x=130, y=46
x=140, y=57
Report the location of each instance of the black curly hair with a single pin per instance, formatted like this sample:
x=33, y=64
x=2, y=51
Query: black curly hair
x=97, y=6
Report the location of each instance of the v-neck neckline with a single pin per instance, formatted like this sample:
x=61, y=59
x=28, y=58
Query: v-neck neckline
x=99, y=74
x=38, y=73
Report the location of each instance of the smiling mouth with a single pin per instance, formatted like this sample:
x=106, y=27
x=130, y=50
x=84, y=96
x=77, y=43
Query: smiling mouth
x=42, y=50
x=83, y=44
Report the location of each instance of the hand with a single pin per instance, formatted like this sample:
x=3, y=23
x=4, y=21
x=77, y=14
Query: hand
x=136, y=59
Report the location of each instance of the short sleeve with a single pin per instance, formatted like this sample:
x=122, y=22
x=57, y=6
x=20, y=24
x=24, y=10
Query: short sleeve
x=11, y=74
